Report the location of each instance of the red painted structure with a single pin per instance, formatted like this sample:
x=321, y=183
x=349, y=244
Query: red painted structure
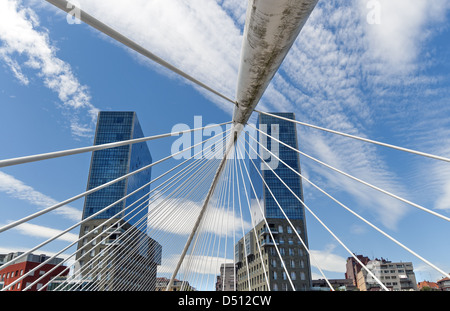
x=13, y=272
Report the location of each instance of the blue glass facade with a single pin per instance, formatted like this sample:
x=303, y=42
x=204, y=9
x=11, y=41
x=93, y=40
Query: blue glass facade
x=109, y=164
x=286, y=132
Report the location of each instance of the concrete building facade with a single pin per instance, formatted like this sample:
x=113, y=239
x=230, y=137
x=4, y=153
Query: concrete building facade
x=396, y=276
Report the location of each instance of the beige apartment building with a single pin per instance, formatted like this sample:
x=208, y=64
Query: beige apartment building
x=396, y=276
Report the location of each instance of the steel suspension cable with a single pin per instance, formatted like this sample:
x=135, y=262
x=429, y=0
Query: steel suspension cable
x=63, y=153
x=279, y=254
x=111, y=217
x=318, y=219
x=428, y=155
x=160, y=194
x=207, y=237
x=25, y=219
x=242, y=225
x=357, y=179
x=93, y=22
x=53, y=207
x=167, y=181
x=265, y=273
x=359, y=216
x=209, y=172
x=294, y=230
x=207, y=222
x=180, y=186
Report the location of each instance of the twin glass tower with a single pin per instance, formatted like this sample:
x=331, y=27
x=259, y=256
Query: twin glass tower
x=270, y=256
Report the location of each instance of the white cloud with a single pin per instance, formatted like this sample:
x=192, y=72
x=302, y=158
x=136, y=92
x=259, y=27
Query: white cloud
x=19, y=190
x=204, y=45
x=185, y=213
x=22, y=38
x=339, y=73
x=44, y=232
x=327, y=261
x=402, y=30
x=15, y=68
x=423, y=271
x=437, y=175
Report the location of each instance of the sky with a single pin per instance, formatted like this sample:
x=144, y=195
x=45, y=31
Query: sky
x=374, y=68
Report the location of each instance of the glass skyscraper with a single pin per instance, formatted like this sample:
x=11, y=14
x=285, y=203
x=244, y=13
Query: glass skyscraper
x=285, y=132
x=103, y=242
x=109, y=164
x=285, y=241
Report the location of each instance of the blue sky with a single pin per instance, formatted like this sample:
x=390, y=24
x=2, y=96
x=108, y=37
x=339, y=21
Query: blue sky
x=387, y=81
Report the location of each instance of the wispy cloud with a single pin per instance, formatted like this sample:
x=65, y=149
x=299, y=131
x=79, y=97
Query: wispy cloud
x=27, y=45
x=204, y=45
x=398, y=38
x=327, y=261
x=343, y=73
x=38, y=231
x=185, y=212
x=425, y=272
x=19, y=190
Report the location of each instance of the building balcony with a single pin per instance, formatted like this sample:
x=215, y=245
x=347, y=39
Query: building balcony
x=265, y=231
x=269, y=243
